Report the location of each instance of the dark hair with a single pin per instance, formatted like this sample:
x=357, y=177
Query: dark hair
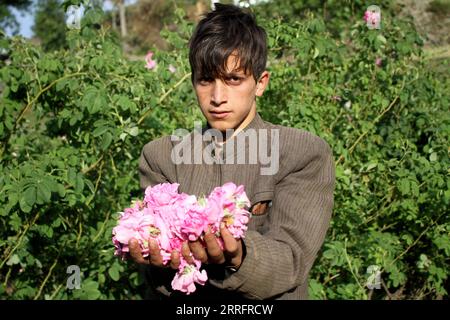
x=219, y=34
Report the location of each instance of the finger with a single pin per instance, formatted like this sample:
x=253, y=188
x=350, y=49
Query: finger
x=175, y=259
x=198, y=251
x=135, y=252
x=186, y=252
x=155, y=254
x=212, y=247
x=229, y=242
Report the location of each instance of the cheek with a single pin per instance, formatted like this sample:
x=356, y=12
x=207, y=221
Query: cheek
x=246, y=96
x=202, y=97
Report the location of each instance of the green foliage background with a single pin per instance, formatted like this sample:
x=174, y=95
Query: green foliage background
x=50, y=16
x=73, y=122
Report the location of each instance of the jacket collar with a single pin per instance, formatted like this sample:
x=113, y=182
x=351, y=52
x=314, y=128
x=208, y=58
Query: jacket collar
x=230, y=149
x=256, y=123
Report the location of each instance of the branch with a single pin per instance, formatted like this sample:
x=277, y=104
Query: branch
x=46, y=278
x=367, y=131
x=164, y=96
x=28, y=226
x=30, y=103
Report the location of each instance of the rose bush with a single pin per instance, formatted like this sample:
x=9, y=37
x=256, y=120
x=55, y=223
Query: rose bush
x=72, y=125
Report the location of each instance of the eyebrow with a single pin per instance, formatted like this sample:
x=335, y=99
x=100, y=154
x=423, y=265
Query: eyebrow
x=235, y=73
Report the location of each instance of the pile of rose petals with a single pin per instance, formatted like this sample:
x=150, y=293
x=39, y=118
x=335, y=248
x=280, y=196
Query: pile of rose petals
x=172, y=218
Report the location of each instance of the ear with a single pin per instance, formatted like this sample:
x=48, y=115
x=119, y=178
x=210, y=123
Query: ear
x=262, y=83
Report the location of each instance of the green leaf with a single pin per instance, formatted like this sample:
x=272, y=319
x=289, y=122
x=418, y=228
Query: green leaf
x=73, y=120
x=124, y=103
x=61, y=190
x=13, y=260
x=403, y=186
x=134, y=131
x=94, y=100
x=61, y=84
x=71, y=175
x=381, y=38
x=89, y=290
x=316, y=53
x=13, y=197
x=90, y=185
x=44, y=192
x=45, y=230
x=56, y=223
x=433, y=157
x=29, y=196
x=79, y=183
x=113, y=272
x=99, y=131
x=97, y=104
x=106, y=141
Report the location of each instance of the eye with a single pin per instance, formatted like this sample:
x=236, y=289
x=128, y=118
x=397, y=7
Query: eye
x=234, y=80
x=205, y=81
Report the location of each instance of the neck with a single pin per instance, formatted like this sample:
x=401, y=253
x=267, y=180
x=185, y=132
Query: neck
x=248, y=119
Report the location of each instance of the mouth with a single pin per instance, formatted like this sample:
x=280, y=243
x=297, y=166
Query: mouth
x=220, y=114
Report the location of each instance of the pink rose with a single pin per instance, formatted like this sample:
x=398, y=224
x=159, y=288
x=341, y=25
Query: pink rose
x=161, y=194
x=187, y=276
x=372, y=18
x=150, y=64
x=195, y=223
x=378, y=62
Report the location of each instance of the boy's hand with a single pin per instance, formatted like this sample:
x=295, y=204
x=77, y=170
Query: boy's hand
x=232, y=253
x=154, y=258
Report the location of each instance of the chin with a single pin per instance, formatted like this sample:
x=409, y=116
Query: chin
x=220, y=125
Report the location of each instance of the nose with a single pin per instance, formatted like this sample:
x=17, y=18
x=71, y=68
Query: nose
x=218, y=94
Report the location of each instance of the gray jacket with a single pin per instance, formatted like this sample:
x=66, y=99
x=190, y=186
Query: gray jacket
x=282, y=242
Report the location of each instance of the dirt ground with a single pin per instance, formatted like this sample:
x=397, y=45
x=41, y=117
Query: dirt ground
x=433, y=25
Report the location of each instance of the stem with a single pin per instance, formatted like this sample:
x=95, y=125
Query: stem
x=80, y=228
x=407, y=249
x=28, y=226
x=164, y=96
x=55, y=292
x=416, y=241
x=46, y=278
x=35, y=70
x=369, y=297
x=367, y=131
x=351, y=269
x=102, y=228
x=113, y=164
x=331, y=278
x=386, y=289
x=92, y=166
x=42, y=91
x=7, y=276
x=30, y=103
x=335, y=120
x=96, y=184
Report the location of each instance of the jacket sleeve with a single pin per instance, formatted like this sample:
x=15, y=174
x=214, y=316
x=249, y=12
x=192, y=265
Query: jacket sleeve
x=280, y=259
x=150, y=170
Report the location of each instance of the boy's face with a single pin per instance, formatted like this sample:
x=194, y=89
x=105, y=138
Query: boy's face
x=230, y=103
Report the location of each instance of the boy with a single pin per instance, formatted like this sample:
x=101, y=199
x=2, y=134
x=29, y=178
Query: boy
x=291, y=203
